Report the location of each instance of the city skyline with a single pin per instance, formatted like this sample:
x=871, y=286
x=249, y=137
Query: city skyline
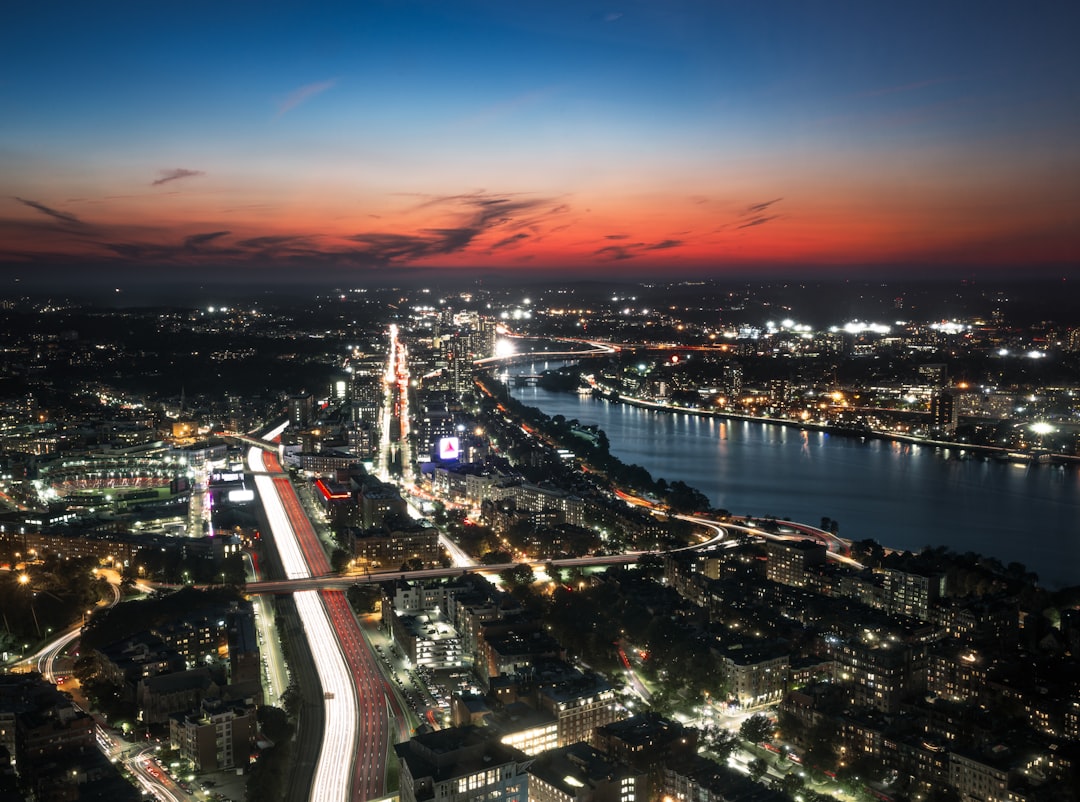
x=519, y=141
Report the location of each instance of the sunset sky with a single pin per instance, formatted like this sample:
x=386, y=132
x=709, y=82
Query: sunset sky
x=517, y=136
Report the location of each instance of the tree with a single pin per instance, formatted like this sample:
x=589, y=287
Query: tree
x=723, y=744
x=790, y=727
x=757, y=768
x=495, y=557
x=275, y=723
x=757, y=729
x=521, y=574
x=651, y=565
x=790, y=784
x=363, y=598
x=684, y=498
x=339, y=560
x=603, y=445
x=291, y=700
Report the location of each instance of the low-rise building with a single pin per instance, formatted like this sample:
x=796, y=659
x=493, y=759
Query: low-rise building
x=579, y=773
x=461, y=764
x=757, y=673
x=396, y=542
x=218, y=736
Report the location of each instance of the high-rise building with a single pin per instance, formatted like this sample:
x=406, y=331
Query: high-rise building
x=942, y=412
x=912, y=594
x=301, y=408
x=788, y=560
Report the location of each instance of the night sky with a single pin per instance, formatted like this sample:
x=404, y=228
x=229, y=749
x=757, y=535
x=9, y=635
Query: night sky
x=519, y=137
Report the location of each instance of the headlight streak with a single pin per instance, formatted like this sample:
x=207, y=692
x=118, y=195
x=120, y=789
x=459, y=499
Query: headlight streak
x=338, y=749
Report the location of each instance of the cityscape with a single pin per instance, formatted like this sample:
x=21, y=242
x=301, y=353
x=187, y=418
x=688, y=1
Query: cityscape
x=562, y=401
x=345, y=547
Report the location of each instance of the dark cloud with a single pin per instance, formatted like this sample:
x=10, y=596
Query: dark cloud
x=613, y=253
x=268, y=242
x=133, y=250
x=631, y=249
x=481, y=212
x=382, y=248
x=174, y=175
x=509, y=240
x=758, y=221
x=189, y=246
x=481, y=221
x=196, y=241
x=758, y=208
x=55, y=214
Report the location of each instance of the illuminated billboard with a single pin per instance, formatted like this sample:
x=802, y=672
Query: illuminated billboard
x=449, y=448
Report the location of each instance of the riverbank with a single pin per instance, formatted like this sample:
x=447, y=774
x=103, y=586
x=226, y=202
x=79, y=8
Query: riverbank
x=994, y=452
x=905, y=494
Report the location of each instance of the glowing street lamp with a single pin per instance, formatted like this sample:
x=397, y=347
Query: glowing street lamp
x=24, y=580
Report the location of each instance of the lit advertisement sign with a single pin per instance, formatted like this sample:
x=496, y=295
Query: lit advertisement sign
x=449, y=448
x=241, y=495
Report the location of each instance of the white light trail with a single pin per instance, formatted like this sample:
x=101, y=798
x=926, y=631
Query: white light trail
x=339, y=746
x=275, y=432
x=339, y=701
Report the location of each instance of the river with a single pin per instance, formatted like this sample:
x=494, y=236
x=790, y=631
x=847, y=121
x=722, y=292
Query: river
x=902, y=495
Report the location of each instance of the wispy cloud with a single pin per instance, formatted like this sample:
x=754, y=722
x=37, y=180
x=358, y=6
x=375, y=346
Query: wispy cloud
x=478, y=212
x=613, y=253
x=195, y=242
x=630, y=250
x=303, y=94
x=175, y=175
x=62, y=217
x=513, y=239
x=269, y=241
x=757, y=208
x=195, y=246
x=753, y=215
x=507, y=108
x=758, y=221
x=476, y=222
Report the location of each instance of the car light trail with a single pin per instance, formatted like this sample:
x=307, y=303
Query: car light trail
x=339, y=746
x=339, y=700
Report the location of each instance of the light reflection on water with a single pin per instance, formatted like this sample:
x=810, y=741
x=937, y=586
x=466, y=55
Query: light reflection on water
x=903, y=495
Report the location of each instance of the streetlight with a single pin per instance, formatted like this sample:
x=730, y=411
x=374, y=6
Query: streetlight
x=24, y=580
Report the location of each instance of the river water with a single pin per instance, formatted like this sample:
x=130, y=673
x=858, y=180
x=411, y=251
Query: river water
x=902, y=495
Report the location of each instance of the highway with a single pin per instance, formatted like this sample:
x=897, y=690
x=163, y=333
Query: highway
x=340, y=707
x=357, y=700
